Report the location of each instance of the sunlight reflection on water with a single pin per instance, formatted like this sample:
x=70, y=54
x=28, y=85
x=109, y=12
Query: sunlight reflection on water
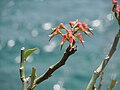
x=11, y=43
x=50, y=47
x=47, y=26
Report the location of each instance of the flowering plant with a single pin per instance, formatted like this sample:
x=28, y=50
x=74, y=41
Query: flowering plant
x=73, y=33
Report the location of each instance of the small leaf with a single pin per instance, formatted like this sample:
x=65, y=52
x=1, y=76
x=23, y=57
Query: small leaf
x=28, y=52
x=113, y=83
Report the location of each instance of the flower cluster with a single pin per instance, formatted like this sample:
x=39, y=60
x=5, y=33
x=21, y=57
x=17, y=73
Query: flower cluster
x=73, y=33
x=116, y=7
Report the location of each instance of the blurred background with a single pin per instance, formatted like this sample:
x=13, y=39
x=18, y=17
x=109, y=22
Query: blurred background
x=27, y=23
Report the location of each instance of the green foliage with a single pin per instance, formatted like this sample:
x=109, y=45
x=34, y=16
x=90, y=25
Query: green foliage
x=28, y=52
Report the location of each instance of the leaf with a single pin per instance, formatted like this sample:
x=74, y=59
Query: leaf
x=28, y=52
x=113, y=83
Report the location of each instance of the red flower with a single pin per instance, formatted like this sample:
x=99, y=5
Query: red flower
x=73, y=33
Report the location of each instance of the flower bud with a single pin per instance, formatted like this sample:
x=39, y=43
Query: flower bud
x=61, y=26
x=115, y=2
x=79, y=36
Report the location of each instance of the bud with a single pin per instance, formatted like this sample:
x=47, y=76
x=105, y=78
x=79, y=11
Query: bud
x=61, y=26
x=79, y=36
x=63, y=40
x=115, y=2
x=55, y=32
x=72, y=23
x=88, y=28
x=82, y=29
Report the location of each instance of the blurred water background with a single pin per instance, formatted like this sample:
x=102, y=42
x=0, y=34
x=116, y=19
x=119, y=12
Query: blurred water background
x=28, y=22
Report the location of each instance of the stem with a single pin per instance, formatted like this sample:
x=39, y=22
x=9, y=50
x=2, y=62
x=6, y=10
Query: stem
x=22, y=63
x=100, y=82
x=104, y=62
x=54, y=67
x=22, y=70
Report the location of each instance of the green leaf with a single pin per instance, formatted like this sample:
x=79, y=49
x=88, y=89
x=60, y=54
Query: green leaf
x=113, y=83
x=28, y=52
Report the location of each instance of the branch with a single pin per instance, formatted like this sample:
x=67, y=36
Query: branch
x=22, y=62
x=22, y=70
x=33, y=76
x=104, y=63
x=100, y=82
x=54, y=67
